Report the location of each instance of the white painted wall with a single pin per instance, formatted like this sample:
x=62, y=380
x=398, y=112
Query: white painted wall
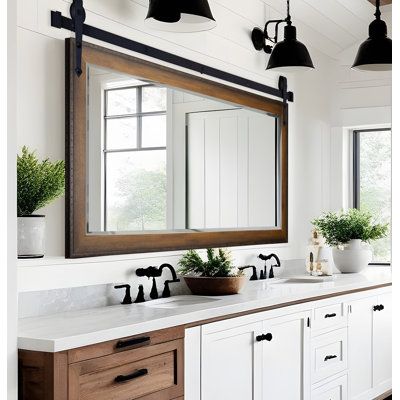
x=41, y=101
x=9, y=295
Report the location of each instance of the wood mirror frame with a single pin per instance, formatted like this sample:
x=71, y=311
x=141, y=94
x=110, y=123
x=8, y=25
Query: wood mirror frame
x=80, y=243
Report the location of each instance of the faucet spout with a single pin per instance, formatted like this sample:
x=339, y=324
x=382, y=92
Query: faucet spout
x=171, y=268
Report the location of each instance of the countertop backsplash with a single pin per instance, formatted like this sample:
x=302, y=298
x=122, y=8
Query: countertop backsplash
x=46, y=302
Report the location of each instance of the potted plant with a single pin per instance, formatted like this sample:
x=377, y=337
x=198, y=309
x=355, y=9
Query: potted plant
x=215, y=277
x=38, y=183
x=348, y=233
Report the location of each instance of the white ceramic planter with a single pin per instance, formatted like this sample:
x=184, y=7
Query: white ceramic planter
x=353, y=258
x=31, y=236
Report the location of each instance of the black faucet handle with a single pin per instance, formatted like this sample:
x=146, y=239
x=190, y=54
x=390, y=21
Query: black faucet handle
x=166, y=292
x=127, y=298
x=254, y=274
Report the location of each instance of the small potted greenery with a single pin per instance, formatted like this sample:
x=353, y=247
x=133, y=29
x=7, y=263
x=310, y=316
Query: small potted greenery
x=38, y=183
x=348, y=233
x=215, y=277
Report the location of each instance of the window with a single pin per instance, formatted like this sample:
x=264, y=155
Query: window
x=134, y=148
x=372, y=182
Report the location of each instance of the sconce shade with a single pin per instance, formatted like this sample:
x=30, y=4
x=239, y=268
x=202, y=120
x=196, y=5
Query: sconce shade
x=180, y=15
x=290, y=54
x=375, y=54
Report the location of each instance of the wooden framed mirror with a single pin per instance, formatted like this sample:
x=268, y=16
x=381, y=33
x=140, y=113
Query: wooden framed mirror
x=158, y=159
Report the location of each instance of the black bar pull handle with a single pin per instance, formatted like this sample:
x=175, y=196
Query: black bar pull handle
x=134, y=375
x=133, y=342
x=267, y=337
x=330, y=315
x=330, y=357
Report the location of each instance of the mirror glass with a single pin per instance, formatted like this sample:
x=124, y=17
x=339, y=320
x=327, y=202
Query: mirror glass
x=163, y=159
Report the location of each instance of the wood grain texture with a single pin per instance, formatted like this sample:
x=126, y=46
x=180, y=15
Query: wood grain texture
x=80, y=243
x=109, y=347
x=95, y=378
x=42, y=376
x=383, y=2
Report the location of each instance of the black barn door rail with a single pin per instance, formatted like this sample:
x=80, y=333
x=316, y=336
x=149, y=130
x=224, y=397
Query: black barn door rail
x=76, y=24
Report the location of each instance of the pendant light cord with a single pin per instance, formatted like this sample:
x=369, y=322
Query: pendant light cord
x=378, y=11
x=289, y=18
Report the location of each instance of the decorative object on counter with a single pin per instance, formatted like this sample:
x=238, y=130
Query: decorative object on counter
x=38, y=184
x=215, y=277
x=288, y=54
x=180, y=16
x=375, y=54
x=348, y=233
x=319, y=261
x=271, y=270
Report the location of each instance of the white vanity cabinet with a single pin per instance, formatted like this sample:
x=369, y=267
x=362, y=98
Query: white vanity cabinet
x=370, y=346
x=335, y=348
x=260, y=360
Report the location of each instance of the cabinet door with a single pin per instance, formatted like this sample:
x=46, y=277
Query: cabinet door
x=286, y=358
x=382, y=341
x=360, y=346
x=231, y=364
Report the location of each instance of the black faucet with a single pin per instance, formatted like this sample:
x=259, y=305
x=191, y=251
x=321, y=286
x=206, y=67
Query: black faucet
x=254, y=274
x=154, y=272
x=266, y=258
x=166, y=292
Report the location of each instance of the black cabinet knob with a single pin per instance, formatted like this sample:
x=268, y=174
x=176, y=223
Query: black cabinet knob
x=379, y=307
x=267, y=337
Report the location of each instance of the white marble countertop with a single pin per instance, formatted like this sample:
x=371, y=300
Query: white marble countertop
x=73, y=329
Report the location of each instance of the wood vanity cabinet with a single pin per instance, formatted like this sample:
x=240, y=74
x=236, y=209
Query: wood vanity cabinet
x=144, y=367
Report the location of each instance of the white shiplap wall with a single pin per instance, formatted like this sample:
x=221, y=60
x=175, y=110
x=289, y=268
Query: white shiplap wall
x=228, y=47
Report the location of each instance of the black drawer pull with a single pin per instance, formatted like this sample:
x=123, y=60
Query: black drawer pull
x=381, y=307
x=134, y=375
x=330, y=357
x=330, y=315
x=132, y=342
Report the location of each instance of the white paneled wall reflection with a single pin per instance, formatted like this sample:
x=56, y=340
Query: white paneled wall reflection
x=231, y=169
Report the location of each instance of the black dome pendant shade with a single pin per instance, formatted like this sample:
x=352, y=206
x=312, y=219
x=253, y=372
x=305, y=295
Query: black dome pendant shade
x=180, y=15
x=375, y=54
x=288, y=54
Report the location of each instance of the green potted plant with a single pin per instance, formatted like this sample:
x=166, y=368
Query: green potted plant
x=38, y=184
x=214, y=277
x=348, y=233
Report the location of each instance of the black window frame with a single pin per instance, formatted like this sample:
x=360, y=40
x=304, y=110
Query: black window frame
x=356, y=172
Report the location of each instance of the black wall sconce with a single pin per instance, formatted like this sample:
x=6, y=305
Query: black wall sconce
x=180, y=15
x=375, y=54
x=286, y=55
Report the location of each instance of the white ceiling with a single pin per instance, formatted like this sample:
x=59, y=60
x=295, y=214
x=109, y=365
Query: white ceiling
x=330, y=26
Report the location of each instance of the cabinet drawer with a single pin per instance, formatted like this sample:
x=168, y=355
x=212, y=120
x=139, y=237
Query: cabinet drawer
x=329, y=354
x=124, y=344
x=329, y=317
x=333, y=390
x=146, y=374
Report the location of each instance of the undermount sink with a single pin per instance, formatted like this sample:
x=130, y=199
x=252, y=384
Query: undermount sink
x=305, y=279
x=179, y=301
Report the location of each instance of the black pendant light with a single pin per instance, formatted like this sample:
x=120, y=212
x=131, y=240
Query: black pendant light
x=375, y=54
x=180, y=15
x=287, y=55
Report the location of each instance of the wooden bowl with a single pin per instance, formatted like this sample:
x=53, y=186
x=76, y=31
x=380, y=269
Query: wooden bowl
x=215, y=286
